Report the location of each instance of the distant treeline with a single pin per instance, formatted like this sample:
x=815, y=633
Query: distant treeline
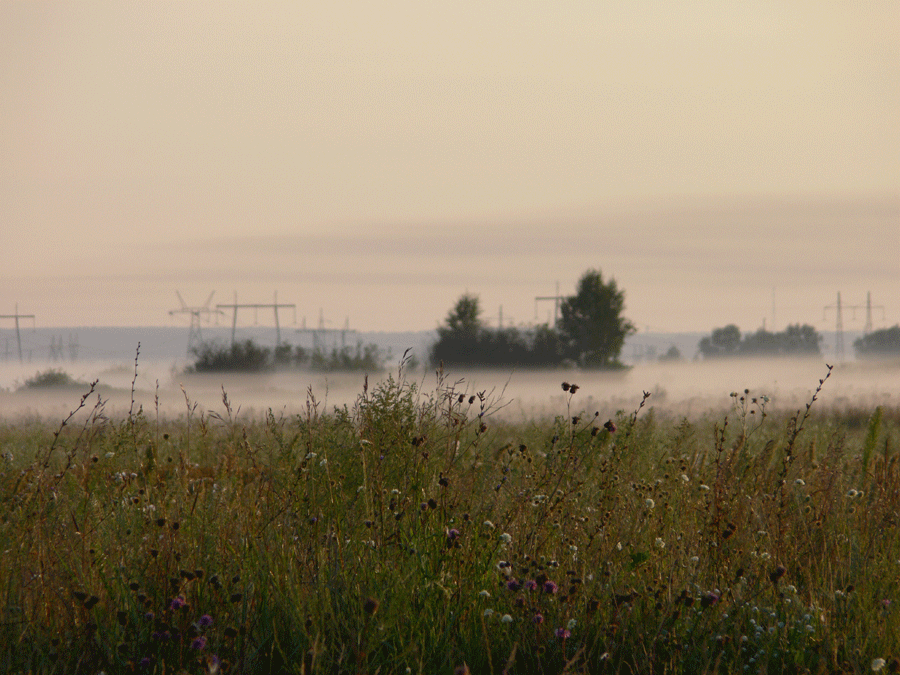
x=795, y=340
x=590, y=333
x=879, y=343
x=249, y=357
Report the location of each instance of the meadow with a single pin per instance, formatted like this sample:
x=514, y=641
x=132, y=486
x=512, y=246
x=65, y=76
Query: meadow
x=419, y=530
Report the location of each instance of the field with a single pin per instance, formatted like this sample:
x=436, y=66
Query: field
x=420, y=530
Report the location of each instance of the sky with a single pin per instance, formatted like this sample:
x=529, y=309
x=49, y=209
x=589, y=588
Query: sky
x=724, y=162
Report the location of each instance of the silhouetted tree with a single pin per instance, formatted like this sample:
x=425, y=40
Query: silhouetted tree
x=723, y=342
x=591, y=325
x=795, y=340
x=884, y=342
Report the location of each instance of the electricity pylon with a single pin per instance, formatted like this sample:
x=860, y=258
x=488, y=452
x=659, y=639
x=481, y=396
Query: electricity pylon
x=257, y=306
x=18, y=316
x=195, y=337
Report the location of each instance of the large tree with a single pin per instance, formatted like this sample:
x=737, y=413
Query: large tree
x=458, y=339
x=591, y=325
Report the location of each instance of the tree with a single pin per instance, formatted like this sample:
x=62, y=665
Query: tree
x=884, y=342
x=591, y=325
x=723, y=342
x=459, y=337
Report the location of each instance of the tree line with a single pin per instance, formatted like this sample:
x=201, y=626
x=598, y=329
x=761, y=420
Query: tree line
x=590, y=333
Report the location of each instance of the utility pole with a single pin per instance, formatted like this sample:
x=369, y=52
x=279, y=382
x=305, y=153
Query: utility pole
x=557, y=299
x=257, y=306
x=18, y=316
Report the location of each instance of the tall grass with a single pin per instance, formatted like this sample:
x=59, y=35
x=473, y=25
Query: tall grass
x=418, y=532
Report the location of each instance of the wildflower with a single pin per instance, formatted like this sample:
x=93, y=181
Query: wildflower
x=370, y=606
x=709, y=600
x=538, y=619
x=650, y=503
x=704, y=487
x=506, y=538
x=572, y=623
x=563, y=633
x=198, y=644
x=177, y=603
x=109, y=455
x=550, y=587
x=506, y=618
x=484, y=594
x=205, y=621
x=684, y=477
x=452, y=534
x=610, y=426
x=530, y=585
x=513, y=585
x=851, y=493
x=695, y=559
x=488, y=612
x=877, y=664
x=660, y=543
x=311, y=455
x=488, y=524
x=323, y=462
x=800, y=482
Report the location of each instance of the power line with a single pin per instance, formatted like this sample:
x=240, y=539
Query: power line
x=195, y=337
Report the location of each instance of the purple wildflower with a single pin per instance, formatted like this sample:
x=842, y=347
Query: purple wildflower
x=562, y=633
x=550, y=587
x=452, y=534
x=513, y=585
x=205, y=621
x=144, y=662
x=198, y=644
x=538, y=619
x=530, y=585
x=177, y=603
x=709, y=600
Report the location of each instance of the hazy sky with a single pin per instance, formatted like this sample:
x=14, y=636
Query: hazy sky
x=377, y=159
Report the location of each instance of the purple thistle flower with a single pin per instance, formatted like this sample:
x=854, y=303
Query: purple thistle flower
x=177, y=603
x=452, y=534
x=550, y=587
x=513, y=585
x=709, y=600
x=530, y=585
x=198, y=644
x=562, y=633
x=538, y=619
x=205, y=621
x=144, y=662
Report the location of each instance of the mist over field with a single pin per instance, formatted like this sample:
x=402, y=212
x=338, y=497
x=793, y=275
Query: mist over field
x=682, y=389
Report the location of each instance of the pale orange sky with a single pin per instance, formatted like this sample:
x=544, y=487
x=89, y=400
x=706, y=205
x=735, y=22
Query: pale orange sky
x=375, y=160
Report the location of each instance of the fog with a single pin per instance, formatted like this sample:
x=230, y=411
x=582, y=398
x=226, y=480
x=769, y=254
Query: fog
x=681, y=388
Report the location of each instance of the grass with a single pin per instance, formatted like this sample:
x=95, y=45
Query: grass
x=418, y=532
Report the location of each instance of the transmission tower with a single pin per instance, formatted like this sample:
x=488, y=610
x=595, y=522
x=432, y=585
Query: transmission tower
x=195, y=337
x=274, y=306
x=557, y=299
x=838, y=328
x=18, y=316
x=868, y=327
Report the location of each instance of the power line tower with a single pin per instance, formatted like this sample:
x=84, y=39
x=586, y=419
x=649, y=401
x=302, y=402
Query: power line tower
x=18, y=316
x=255, y=306
x=557, y=300
x=868, y=327
x=195, y=337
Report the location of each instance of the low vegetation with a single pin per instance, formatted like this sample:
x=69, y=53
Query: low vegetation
x=52, y=377
x=417, y=532
x=249, y=357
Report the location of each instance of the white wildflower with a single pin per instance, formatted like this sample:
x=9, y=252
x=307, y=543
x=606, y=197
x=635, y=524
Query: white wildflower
x=877, y=664
x=109, y=455
x=685, y=478
x=800, y=482
x=704, y=487
x=506, y=538
x=488, y=612
x=650, y=503
x=484, y=594
x=488, y=524
x=506, y=618
x=660, y=543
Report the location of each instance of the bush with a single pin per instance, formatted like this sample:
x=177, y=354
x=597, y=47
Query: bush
x=53, y=377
